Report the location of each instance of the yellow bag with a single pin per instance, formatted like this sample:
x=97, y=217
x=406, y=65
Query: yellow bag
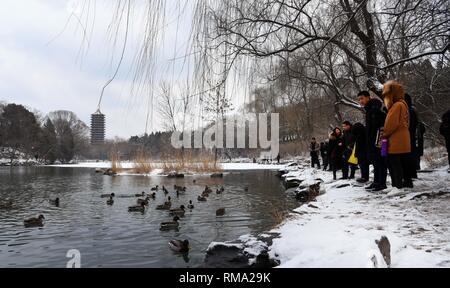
x=353, y=160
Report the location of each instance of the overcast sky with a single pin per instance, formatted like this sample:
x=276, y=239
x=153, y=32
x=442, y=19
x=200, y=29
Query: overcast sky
x=45, y=72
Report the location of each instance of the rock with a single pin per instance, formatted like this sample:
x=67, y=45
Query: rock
x=385, y=248
x=307, y=195
x=224, y=256
x=175, y=175
x=292, y=183
x=430, y=195
x=109, y=172
x=217, y=175
x=343, y=186
x=233, y=255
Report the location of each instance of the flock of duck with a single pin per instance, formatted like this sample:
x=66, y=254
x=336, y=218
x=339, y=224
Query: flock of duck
x=141, y=206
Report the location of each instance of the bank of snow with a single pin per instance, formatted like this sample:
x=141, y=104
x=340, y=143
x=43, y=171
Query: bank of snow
x=341, y=229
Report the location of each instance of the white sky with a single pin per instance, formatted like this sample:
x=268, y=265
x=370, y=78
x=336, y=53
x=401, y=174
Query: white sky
x=51, y=76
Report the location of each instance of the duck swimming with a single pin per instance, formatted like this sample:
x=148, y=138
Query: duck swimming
x=174, y=225
x=140, y=195
x=153, y=196
x=190, y=206
x=54, y=202
x=220, y=212
x=179, y=188
x=207, y=190
x=202, y=199
x=108, y=195
x=7, y=205
x=34, y=222
x=110, y=201
x=143, y=201
x=179, y=211
x=156, y=188
x=139, y=208
x=179, y=246
x=166, y=206
x=165, y=190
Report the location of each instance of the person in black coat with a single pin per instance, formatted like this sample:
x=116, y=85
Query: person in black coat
x=314, y=152
x=324, y=154
x=349, y=143
x=445, y=131
x=360, y=134
x=336, y=149
x=421, y=130
x=375, y=118
x=413, y=123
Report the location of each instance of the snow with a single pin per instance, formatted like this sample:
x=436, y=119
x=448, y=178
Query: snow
x=343, y=231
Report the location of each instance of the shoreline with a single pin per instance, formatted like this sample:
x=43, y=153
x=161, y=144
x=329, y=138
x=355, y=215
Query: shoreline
x=347, y=227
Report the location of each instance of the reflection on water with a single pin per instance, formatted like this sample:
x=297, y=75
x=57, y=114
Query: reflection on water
x=112, y=237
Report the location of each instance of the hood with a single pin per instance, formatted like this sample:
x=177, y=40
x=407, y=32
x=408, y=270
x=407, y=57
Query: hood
x=374, y=104
x=393, y=92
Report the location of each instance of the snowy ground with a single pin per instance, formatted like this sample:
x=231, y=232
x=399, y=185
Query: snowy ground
x=340, y=231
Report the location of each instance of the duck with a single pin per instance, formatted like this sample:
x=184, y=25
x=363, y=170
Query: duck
x=179, y=188
x=55, y=202
x=139, y=208
x=165, y=190
x=34, y=222
x=179, y=211
x=143, y=201
x=153, y=196
x=190, y=206
x=207, y=190
x=246, y=189
x=202, y=198
x=179, y=246
x=110, y=202
x=140, y=195
x=166, y=206
x=108, y=195
x=220, y=212
x=174, y=225
x=7, y=205
x=156, y=188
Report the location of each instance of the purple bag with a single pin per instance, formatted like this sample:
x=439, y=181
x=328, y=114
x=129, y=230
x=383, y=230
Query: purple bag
x=384, y=148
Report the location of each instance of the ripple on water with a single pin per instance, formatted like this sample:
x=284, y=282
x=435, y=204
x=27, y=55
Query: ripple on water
x=110, y=236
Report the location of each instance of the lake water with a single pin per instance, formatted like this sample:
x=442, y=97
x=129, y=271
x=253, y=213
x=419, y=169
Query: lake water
x=112, y=237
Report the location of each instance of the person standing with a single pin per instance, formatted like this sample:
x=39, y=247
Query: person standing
x=336, y=150
x=324, y=154
x=421, y=130
x=375, y=118
x=349, y=143
x=413, y=123
x=396, y=132
x=360, y=134
x=315, y=149
x=445, y=131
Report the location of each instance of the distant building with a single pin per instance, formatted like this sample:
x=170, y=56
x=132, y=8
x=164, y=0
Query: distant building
x=98, y=128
